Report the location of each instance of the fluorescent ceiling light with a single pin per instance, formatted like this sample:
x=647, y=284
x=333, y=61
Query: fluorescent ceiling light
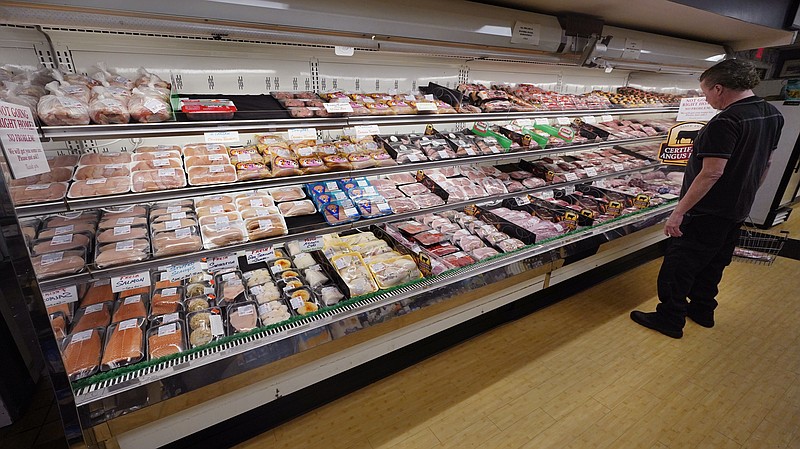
x=495, y=30
x=716, y=58
x=258, y=3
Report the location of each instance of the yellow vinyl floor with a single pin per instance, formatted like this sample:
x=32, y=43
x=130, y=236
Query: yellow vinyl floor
x=581, y=374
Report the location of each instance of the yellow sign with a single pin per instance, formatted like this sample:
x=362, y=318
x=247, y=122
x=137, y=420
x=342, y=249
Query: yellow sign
x=680, y=142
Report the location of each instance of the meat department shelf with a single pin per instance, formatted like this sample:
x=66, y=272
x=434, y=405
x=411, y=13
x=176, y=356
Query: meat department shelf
x=100, y=274
x=67, y=205
x=167, y=129
x=216, y=363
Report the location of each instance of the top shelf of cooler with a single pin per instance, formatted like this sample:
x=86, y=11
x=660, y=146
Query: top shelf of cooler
x=171, y=129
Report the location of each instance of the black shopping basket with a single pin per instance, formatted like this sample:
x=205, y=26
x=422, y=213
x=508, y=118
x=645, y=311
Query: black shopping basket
x=758, y=247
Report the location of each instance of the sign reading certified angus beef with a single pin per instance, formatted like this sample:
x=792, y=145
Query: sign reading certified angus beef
x=680, y=142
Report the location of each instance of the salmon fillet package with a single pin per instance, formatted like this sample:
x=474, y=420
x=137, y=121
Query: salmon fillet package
x=81, y=353
x=99, y=292
x=92, y=316
x=165, y=340
x=133, y=306
x=124, y=344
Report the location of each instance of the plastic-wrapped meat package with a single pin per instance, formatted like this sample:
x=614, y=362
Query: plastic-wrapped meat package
x=442, y=249
x=402, y=205
x=413, y=189
x=469, y=243
x=395, y=271
x=436, y=222
x=402, y=178
x=161, y=179
x=457, y=260
x=545, y=230
x=475, y=191
x=411, y=156
x=493, y=186
x=473, y=174
x=100, y=186
x=449, y=229
x=382, y=183
x=458, y=235
x=496, y=237
x=354, y=273
x=413, y=227
x=297, y=208
x=390, y=192
x=426, y=200
x=437, y=153
x=122, y=252
x=483, y=253
x=145, y=78
x=211, y=174
x=202, y=149
x=513, y=186
x=509, y=245
x=38, y=193
x=263, y=227
x=519, y=175
x=533, y=183
x=148, y=109
x=178, y=241
x=59, y=109
x=448, y=172
x=429, y=238
x=106, y=110
x=101, y=171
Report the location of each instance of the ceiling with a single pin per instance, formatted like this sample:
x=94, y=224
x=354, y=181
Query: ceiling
x=662, y=17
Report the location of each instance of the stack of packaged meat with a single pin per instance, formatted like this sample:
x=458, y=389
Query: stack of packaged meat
x=100, y=174
x=208, y=164
x=63, y=244
x=122, y=236
x=174, y=228
x=157, y=168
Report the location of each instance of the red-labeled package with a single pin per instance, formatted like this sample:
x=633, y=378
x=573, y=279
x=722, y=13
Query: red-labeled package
x=429, y=238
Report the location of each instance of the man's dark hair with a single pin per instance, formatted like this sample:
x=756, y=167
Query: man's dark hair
x=736, y=74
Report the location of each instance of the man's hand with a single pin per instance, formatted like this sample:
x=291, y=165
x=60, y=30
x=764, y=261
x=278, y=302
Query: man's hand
x=673, y=226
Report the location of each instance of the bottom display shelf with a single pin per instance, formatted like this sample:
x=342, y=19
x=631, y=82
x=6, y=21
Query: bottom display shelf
x=109, y=395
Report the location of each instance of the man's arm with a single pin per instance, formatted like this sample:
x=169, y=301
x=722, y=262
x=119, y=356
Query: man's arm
x=766, y=170
x=712, y=170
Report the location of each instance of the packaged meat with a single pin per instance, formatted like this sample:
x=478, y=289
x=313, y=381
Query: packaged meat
x=135, y=291
x=260, y=276
x=413, y=189
x=58, y=322
x=412, y=227
x=122, y=252
x=105, y=110
x=302, y=300
x=157, y=149
x=315, y=276
x=136, y=211
x=60, y=263
x=223, y=233
x=63, y=161
x=373, y=206
x=291, y=193
x=92, y=316
x=155, y=164
x=38, y=193
x=161, y=179
x=340, y=213
x=483, y=253
x=390, y=193
x=533, y=183
x=205, y=326
x=99, y=187
x=80, y=352
x=470, y=243
x=458, y=260
x=140, y=156
x=255, y=200
x=493, y=186
x=198, y=303
x=273, y=312
x=202, y=149
x=509, y=245
x=167, y=339
x=166, y=300
x=169, y=212
x=206, y=159
x=337, y=162
x=496, y=237
x=429, y=238
x=395, y=271
x=124, y=344
x=427, y=200
x=258, y=212
x=214, y=200
x=266, y=292
x=402, y=178
x=60, y=243
x=248, y=171
x=178, y=241
x=60, y=109
x=513, y=186
x=134, y=306
x=242, y=317
x=264, y=227
x=145, y=108
x=97, y=293
x=105, y=158
x=221, y=209
x=120, y=233
x=208, y=109
x=354, y=273
x=285, y=166
x=297, y=208
x=211, y=174
x=70, y=219
x=56, y=174
x=145, y=78
x=101, y=171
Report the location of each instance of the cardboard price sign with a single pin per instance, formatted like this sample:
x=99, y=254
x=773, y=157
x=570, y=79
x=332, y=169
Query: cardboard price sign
x=680, y=143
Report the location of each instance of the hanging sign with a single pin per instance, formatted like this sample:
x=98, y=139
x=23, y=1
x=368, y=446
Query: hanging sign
x=20, y=141
x=680, y=142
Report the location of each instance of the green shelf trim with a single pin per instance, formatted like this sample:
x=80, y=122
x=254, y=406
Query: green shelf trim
x=107, y=375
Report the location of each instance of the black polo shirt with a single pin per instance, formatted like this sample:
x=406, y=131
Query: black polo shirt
x=745, y=133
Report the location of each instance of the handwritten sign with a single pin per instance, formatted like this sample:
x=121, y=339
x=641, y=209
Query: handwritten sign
x=130, y=281
x=222, y=137
x=260, y=255
x=60, y=296
x=309, y=244
x=20, y=141
x=216, y=264
x=179, y=272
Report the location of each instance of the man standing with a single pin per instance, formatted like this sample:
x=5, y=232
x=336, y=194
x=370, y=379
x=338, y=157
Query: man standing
x=731, y=155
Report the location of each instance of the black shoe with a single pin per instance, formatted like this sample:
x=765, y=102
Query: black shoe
x=653, y=321
x=705, y=319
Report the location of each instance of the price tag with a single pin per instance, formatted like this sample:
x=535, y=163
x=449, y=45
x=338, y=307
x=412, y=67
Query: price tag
x=589, y=119
x=618, y=167
x=244, y=157
x=366, y=131
x=443, y=154
x=173, y=209
x=64, y=230
x=125, y=221
x=127, y=245
x=169, y=329
x=569, y=176
x=229, y=276
x=164, y=147
x=216, y=169
x=61, y=239
x=591, y=171
x=172, y=291
x=265, y=225
x=122, y=230
x=562, y=120
x=60, y=296
x=494, y=149
x=351, y=212
x=569, y=190
x=178, y=216
x=130, y=281
x=216, y=157
x=42, y=186
x=426, y=106
x=170, y=317
x=246, y=310
x=337, y=108
x=542, y=121
x=132, y=299
x=296, y=303
x=384, y=207
x=170, y=225
x=127, y=324
x=470, y=151
x=523, y=122
x=217, y=210
x=94, y=308
x=49, y=259
x=546, y=194
x=216, y=325
x=216, y=264
x=297, y=134
x=81, y=336
x=183, y=271
x=183, y=233
x=162, y=154
x=264, y=309
x=160, y=163
x=522, y=200
x=260, y=255
x=166, y=172
x=309, y=244
x=222, y=137
x=413, y=157
x=95, y=181
x=606, y=118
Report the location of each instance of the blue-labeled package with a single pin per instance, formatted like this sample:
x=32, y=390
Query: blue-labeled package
x=314, y=188
x=361, y=192
x=321, y=199
x=348, y=183
x=340, y=213
x=373, y=206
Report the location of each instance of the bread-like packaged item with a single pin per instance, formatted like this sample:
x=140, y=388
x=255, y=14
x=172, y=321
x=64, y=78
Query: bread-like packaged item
x=122, y=252
x=59, y=263
x=160, y=179
x=297, y=208
x=100, y=187
x=157, y=163
x=167, y=339
x=92, y=316
x=124, y=344
x=211, y=174
x=248, y=171
x=205, y=326
x=312, y=165
x=223, y=233
x=38, y=193
x=81, y=351
x=129, y=307
x=242, y=317
x=290, y=193
x=105, y=158
x=395, y=271
x=178, y=241
x=85, y=172
x=264, y=227
x=60, y=243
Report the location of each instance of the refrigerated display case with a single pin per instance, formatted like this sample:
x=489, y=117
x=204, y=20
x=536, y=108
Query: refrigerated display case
x=131, y=406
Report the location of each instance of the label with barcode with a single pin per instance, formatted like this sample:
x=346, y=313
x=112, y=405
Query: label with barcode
x=217, y=328
x=93, y=308
x=64, y=229
x=546, y=194
x=183, y=233
x=296, y=302
x=122, y=230
x=216, y=169
x=215, y=157
x=591, y=171
x=127, y=245
x=132, y=299
x=443, y=154
x=49, y=259
x=61, y=239
x=569, y=176
x=246, y=310
x=128, y=324
x=169, y=329
x=161, y=162
x=81, y=336
x=173, y=209
x=589, y=119
x=95, y=181
x=169, y=291
x=618, y=167
x=177, y=216
x=125, y=221
x=264, y=309
x=265, y=225
x=170, y=317
x=217, y=209
x=173, y=224
x=494, y=149
x=562, y=120
x=166, y=172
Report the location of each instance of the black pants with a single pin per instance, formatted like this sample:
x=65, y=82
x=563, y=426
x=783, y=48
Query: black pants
x=693, y=266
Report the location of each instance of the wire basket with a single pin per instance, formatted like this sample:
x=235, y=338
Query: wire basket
x=758, y=247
